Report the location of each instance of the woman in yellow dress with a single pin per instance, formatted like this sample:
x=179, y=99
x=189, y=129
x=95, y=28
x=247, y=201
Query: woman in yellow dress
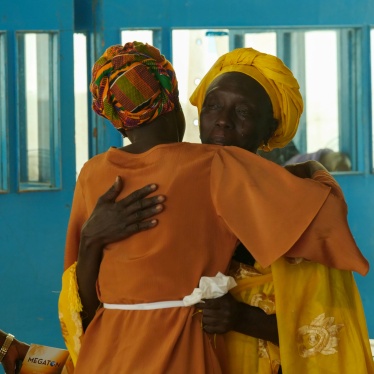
x=321, y=325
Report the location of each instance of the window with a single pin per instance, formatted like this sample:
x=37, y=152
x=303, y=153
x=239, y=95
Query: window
x=321, y=90
x=265, y=41
x=80, y=101
x=143, y=36
x=194, y=52
x=323, y=61
x=39, y=157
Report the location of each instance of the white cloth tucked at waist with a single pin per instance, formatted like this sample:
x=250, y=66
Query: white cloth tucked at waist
x=146, y=306
x=209, y=288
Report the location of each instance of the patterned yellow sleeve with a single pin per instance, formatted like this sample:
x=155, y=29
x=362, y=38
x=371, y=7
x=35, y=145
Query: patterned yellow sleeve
x=69, y=308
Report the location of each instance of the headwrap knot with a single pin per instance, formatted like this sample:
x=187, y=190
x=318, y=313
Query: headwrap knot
x=277, y=80
x=133, y=84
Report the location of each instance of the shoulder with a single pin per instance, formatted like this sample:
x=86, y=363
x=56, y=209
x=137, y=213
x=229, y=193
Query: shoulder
x=92, y=164
x=324, y=177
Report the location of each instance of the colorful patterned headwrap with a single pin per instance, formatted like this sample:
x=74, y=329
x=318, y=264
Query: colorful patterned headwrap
x=277, y=80
x=133, y=84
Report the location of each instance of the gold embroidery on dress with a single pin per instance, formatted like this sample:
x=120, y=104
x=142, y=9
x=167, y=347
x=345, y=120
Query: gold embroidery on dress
x=275, y=365
x=239, y=270
x=265, y=302
x=263, y=352
x=262, y=349
x=294, y=260
x=318, y=337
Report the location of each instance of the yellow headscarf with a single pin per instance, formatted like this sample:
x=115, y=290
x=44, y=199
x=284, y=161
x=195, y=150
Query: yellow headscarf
x=277, y=80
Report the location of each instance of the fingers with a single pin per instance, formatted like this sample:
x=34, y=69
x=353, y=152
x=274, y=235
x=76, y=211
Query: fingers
x=141, y=226
x=218, y=315
x=113, y=192
x=144, y=205
x=134, y=198
x=139, y=216
x=215, y=324
x=138, y=196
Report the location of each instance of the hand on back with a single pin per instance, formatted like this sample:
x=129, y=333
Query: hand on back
x=305, y=169
x=112, y=220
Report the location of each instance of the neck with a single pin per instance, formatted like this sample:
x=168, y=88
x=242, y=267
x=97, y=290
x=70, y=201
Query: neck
x=140, y=147
x=162, y=130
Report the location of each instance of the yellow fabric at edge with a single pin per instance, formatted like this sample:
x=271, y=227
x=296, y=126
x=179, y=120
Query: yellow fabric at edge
x=69, y=307
x=321, y=323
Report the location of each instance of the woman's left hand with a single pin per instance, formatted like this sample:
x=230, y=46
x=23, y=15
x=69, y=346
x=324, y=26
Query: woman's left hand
x=226, y=314
x=220, y=314
x=305, y=169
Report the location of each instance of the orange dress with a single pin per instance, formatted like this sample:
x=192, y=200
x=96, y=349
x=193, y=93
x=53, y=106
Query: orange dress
x=215, y=197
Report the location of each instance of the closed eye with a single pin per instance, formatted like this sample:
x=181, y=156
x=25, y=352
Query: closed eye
x=244, y=111
x=211, y=105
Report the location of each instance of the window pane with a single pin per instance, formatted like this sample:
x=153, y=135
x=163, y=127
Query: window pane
x=37, y=110
x=80, y=100
x=3, y=127
x=144, y=36
x=264, y=42
x=194, y=52
x=321, y=91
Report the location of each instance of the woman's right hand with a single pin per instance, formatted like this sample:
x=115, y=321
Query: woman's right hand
x=109, y=222
x=113, y=220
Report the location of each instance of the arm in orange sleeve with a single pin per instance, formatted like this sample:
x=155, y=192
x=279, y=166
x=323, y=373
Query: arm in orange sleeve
x=329, y=239
x=78, y=216
x=266, y=207
x=274, y=213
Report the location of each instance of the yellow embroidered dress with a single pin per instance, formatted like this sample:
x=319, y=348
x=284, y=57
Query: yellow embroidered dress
x=321, y=322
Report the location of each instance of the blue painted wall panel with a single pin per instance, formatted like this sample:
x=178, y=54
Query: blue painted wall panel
x=33, y=224
x=358, y=193
x=195, y=13
x=36, y=14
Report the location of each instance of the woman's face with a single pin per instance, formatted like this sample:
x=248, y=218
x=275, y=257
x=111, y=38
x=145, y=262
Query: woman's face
x=236, y=111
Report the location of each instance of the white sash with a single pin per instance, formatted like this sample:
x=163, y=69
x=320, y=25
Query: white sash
x=146, y=306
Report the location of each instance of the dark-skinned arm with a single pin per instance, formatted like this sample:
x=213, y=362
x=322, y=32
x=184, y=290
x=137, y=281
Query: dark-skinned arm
x=15, y=354
x=110, y=222
x=225, y=314
x=305, y=169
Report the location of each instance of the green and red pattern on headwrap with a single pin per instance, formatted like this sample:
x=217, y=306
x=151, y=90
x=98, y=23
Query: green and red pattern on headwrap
x=133, y=84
